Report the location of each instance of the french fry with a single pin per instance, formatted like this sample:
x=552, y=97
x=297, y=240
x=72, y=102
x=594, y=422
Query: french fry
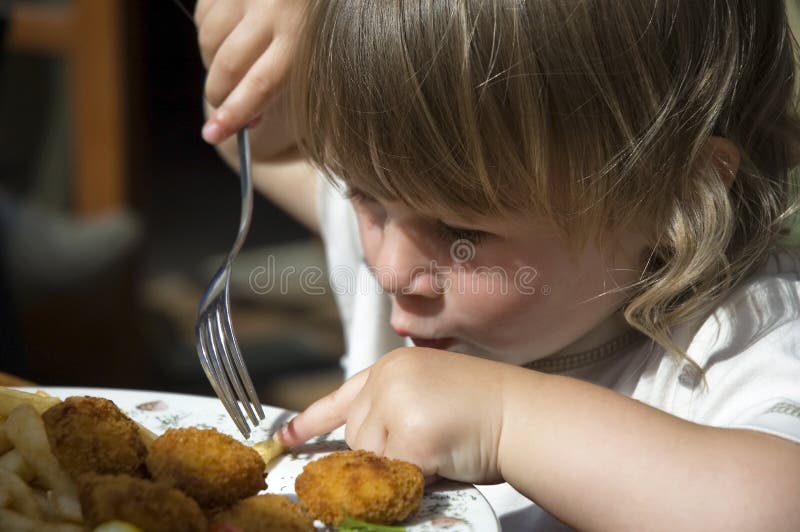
x=26, y=431
x=147, y=435
x=13, y=462
x=10, y=399
x=11, y=520
x=5, y=443
x=62, y=527
x=48, y=512
x=67, y=505
x=21, y=495
x=269, y=450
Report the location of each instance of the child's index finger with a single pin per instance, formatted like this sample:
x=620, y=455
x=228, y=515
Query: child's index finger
x=324, y=415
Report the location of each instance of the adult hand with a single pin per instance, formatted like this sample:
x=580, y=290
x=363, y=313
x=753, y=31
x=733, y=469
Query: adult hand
x=442, y=411
x=247, y=47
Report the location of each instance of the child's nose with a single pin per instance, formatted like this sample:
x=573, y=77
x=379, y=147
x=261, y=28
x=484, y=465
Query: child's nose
x=402, y=267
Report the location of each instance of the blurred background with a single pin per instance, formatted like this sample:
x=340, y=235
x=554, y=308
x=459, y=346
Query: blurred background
x=114, y=214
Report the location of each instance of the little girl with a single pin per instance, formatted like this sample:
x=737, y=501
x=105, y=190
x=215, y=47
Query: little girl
x=553, y=230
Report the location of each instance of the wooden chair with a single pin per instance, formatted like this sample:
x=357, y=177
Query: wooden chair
x=87, y=34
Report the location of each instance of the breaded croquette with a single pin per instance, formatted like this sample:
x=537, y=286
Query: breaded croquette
x=366, y=486
x=146, y=504
x=212, y=468
x=264, y=513
x=90, y=434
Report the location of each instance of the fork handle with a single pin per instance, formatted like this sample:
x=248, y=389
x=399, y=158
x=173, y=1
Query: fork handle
x=246, y=180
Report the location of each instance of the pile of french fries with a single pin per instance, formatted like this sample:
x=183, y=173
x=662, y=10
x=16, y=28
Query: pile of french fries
x=36, y=494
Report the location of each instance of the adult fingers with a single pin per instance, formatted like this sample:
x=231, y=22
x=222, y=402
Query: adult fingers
x=251, y=96
x=217, y=24
x=324, y=415
x=234, y=57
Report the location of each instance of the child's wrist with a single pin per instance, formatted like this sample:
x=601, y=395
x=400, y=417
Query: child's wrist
x=518, y=413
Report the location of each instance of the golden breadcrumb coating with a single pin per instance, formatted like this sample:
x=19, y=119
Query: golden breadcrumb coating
x=366, y=486
x=146, y=504
x=212, y=468
x=264, y=513
x=90, y=434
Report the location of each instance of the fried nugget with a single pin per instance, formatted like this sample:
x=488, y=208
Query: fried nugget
x=211, y=467
x=366, y=486
x=90, y=434
x=264, y=513
x=146, y=504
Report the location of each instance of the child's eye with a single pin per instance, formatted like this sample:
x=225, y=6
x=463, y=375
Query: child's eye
x=449, y=233
x=355, y=195
x=364, y=203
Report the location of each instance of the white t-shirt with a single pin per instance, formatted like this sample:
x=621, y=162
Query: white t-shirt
x=748, y=347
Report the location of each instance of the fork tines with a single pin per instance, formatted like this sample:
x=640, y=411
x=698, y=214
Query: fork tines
x=224, y=366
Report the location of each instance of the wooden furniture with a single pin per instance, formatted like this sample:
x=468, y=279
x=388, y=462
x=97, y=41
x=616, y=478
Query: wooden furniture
x=87, y=35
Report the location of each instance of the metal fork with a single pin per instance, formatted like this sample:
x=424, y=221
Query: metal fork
x=217, y=347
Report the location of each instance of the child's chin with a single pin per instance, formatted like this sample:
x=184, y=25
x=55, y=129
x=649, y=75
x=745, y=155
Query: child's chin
x=466, y=349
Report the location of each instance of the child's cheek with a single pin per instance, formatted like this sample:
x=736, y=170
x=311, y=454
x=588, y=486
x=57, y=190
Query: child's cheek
x=494, y=303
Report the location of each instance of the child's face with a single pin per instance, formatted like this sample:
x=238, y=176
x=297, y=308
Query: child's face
x=493, y=288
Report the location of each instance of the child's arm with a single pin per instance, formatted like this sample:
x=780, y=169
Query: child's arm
x=247, y=48
x=592, y=457
x=600, y=460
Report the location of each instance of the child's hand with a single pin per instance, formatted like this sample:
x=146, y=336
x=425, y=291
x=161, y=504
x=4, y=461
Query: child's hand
x=439, y=410
x=247, y=47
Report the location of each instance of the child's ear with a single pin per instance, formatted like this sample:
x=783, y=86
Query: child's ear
x=725, y=157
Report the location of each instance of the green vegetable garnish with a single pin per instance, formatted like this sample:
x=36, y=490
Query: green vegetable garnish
x=354, y=525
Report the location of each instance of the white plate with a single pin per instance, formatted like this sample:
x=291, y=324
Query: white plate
x=447, y=506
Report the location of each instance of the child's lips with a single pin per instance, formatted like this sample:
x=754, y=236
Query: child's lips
x=433, y=343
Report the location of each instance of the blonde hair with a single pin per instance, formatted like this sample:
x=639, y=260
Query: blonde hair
x=596, y=114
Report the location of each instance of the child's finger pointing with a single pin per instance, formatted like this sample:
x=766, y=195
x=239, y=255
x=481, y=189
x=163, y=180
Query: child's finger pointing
x=323, y=415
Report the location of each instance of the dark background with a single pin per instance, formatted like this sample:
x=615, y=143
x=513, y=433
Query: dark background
x=130, y=324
